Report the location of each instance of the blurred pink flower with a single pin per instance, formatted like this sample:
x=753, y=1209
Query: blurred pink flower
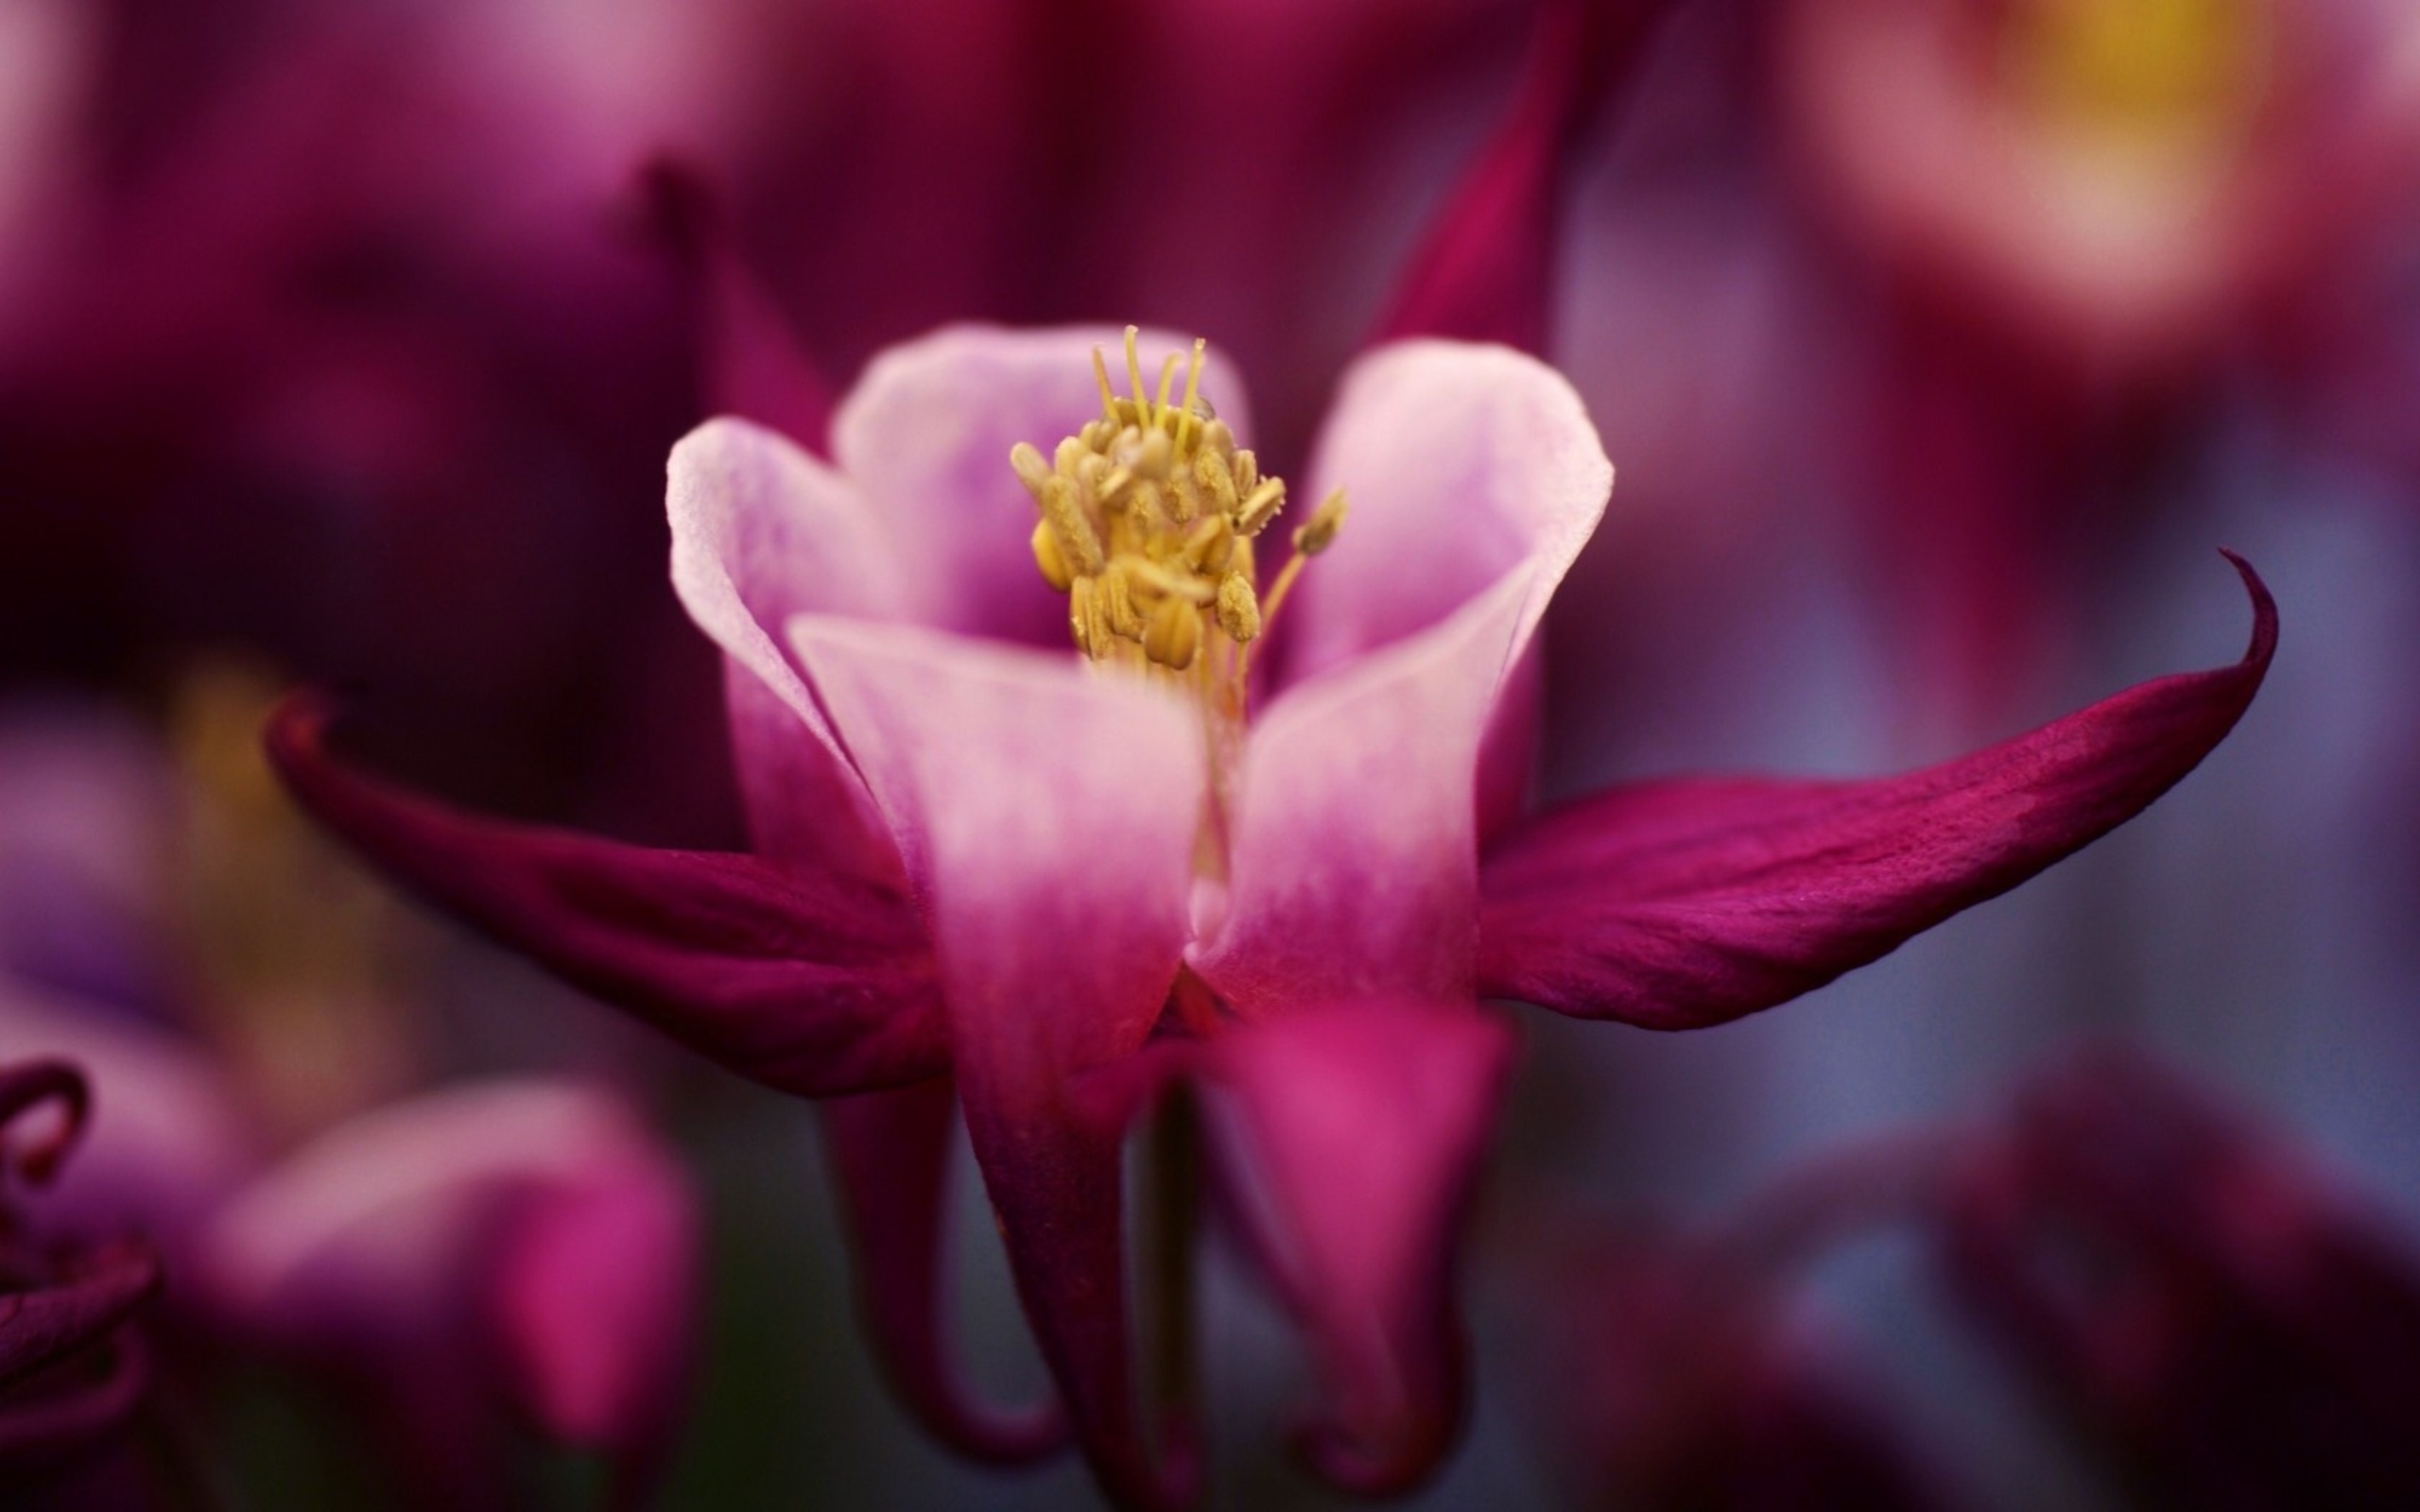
x=530, y=1234
x=1677, y=1372
x=980, y=858
x=2116, y=189
x=2229, y=1326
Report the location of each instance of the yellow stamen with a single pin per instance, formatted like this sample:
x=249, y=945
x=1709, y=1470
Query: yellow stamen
x=1192, y=386
x=1148, y=513
x=1135, y=372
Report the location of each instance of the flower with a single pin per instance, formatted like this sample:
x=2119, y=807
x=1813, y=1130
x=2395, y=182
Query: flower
x=2113, y=189
x=70, y=1376
x=2228, y=1326
x=528, y=1233
x=1066, y=881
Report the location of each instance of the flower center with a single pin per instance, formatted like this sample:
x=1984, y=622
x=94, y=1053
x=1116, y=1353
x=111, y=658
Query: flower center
x=1152, y=517
x=2139, y=73
x=1150, y=520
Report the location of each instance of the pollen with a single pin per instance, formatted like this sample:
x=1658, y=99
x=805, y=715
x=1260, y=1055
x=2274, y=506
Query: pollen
x=1148, y=519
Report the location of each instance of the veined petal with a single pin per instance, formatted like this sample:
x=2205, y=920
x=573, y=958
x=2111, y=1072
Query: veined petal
x=1359, y=1131
x=1483, y=272
x=926, y=433
x=1462, y=462
x=1047, y=812
x=816, y=984
x=1684, y=904
x=889, y=1157
x=1354, y=846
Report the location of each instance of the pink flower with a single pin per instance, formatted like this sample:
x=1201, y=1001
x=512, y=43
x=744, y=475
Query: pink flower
x=1061, y=884
x=2114, y=189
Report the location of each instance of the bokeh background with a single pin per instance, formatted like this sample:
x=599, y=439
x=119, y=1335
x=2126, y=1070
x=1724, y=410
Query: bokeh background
x=1938, y=345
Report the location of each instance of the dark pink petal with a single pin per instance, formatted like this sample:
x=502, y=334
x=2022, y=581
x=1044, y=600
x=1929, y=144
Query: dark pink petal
x=1359, y=1131
x=815, y=985
x=1047, y=815
x=750, y=367
x=889, y=1157
x=1485, y=271
x=1689, y=902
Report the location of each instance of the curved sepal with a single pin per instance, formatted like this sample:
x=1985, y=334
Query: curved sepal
x=890, y=1155
x=813, y=985
x=1679, y=904
x=1483, y=270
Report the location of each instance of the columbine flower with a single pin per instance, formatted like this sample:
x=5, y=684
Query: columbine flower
x=984, y=852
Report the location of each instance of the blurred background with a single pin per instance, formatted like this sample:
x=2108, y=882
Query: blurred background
x=1938, y=345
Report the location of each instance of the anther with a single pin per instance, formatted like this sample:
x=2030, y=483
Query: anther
x=1175, y=634
x=1247, y=470
x=1047, y=557
x=1117, y=601
x=1032, y=471
x=1215, y=482
x=1238, y=609
x=1185, y=499
x=1082, y=618
x=1211, y=545
x=1260, y=507
x=1078, y=541
x=1319, y=532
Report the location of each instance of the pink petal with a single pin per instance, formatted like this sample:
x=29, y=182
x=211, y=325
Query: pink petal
x=1484, y=271
x=1461, y=463
x=166, y=1138
x=593, y=1293
x=762, y=531
x=926, y=432
x=815, y=984
x=1354, y=849
x=1359, y=1128
x=377, y=1233
x=1684, y=904
x=750, y=367
x=889, y=1157
x=1047, y=812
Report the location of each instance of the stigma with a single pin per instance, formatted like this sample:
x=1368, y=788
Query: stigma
x=1150, y=521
